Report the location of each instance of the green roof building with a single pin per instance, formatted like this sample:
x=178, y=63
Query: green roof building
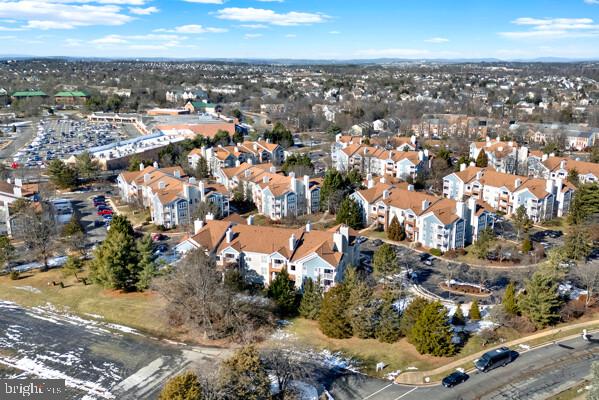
x=28, y=93
x=70, y=97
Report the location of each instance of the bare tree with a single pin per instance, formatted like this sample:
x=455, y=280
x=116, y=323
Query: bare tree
x=37, y=227
x=285, y=367
x=588, y=276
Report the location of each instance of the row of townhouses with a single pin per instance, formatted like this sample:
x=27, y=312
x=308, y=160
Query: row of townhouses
x=275, y=195
x=551, y=167
x=229, y=156
x=503, y=156
x=435, y=222
x=170, y=196
x=542, y=198
x=304, y=252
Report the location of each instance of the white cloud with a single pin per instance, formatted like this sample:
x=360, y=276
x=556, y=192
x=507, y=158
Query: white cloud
x=192, y=29
x=265, y=16
x=437, y=40
x=335, y=32
x=407, y=53
x=252, y=35
x=271, y=1
x=291, y=35
x=9, y=29
x=143, y=11
x=60, y=14
x=205, y=1
x=254, y=26
x=553, y=28
x=591, y=1
x=110, y=39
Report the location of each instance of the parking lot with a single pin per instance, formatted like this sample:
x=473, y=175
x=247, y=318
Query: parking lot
x=61, y=138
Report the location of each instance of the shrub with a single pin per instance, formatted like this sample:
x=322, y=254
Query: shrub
x=436, y=252
x=14, y=275
x=526, y=245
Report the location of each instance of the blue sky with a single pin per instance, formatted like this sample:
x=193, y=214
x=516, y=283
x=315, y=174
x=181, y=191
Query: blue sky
x=325, y=29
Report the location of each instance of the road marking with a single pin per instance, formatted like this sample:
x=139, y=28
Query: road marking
x=378, y=391
x=406, y=393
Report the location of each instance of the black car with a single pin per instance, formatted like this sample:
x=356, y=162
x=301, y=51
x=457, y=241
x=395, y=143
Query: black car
x=455, y=378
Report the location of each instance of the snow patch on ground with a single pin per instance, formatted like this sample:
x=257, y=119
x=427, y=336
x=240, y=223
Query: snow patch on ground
x=29, y=289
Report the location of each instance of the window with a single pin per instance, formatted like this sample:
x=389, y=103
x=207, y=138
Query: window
x=292, y=268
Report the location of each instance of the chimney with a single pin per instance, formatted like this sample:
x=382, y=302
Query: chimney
x=370, y=183
x=500, y=148
x=237, y=163
x=255, y=146
x=177, y=173
x=425, y=204
x=368, y=176
x=510, y=143
x=146, y=178
x=385, y=194
x=517, y=183
x=155, y=164
x=250, y=220
x=292, y=182
x=192, y=180
x=247, y=173
x=544, y=157
x=186, y=192
x=551, y=154
x=19, y=182
x=459, y=209
x=479, y=175
x=229, y=235
x=141, y=166
x=341, y=238
x=383, y=179
x=292, y=242
x=307, y=186
x=161, y=185
x=420, y=155
x=265, y=179
x=273, y=170
x=472, y=208
x=426, y=153
x=410, y=188
x=549, y=186
x=562, y=164
x=472, y=164
x=209, y=217
x=462, y=167
x=198, y=224
x=250, y=161
x=9, y=181
x=236, y=148
x=413, y=140
x=308, y=226
x=202, y=189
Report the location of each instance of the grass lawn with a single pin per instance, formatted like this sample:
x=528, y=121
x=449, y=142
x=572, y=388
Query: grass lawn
x=138, y=310
x=397, y=356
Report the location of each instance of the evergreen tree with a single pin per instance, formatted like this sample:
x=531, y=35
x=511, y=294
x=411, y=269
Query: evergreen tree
x=458, y=316
x=585, y=205
x=573, y=177
x=394, y=229
x=361, y=311
x=481, y=247
x=388, y=329
x=411, y=314
x=185, y=386
x=540, y=303
x=72, y=267
x=482, y=161
x=147, y=266
x=202, y=171
x=7, y=251
x=282, y=291
x=115, y=263
x=349, y=213
x=243, y=376
x=333, y=182
x=62, y=175
x=385, y=261
x=73, y=227
x=521, y=221
x=333, y=320
x=86, y=166
x=578, y=243
x=526, y=245
x=432, y=332
x=474, y=313
x=508, y=302
x=311, y=300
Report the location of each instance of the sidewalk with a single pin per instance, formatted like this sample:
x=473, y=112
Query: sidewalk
x=418, y=377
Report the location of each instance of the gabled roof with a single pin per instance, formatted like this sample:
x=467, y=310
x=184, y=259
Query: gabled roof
x=490, y=177
x=444, y=210
x=536, y=186
x=583, y=167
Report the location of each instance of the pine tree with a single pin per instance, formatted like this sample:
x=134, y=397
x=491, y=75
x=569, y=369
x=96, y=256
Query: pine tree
x=482, y=161
x=385, y=261
x=540, y=302
x=361, y=312
x=72, y=267
x=411, y=314
x=585, y=204
x=578, y=243
x=474, y=313
x=394, y=230
x=282, y=291
x=349, y=213
x=509, y=303
x=243, y=376
x=333, y=320
x=73, y=227
x=115, y=263
x=432, y=333
x=202, y=171
x=311, y=300
x=182, y=387
x=147, y=266
x=458, y=316
x=388, y=329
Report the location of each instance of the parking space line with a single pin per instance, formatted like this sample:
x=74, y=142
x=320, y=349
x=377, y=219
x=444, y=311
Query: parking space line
x=378, y=391
x=406, y=393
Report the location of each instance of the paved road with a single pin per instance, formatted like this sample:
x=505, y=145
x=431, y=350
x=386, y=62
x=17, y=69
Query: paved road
x=97, y=360
x=534, y=375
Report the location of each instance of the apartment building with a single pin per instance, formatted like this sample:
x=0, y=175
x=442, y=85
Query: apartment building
x=305, y=252
x=503, y=156
x=229, y=156
x=275, y=195
x=543, y=198
x=551, y=167
x=170, y=196
x=11, y=191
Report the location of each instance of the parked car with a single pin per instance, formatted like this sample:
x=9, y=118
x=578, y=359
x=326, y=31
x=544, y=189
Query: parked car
x=158, y=236
x=105, y=212
x=455, y=378
x=493, y=359
x=98, y=223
